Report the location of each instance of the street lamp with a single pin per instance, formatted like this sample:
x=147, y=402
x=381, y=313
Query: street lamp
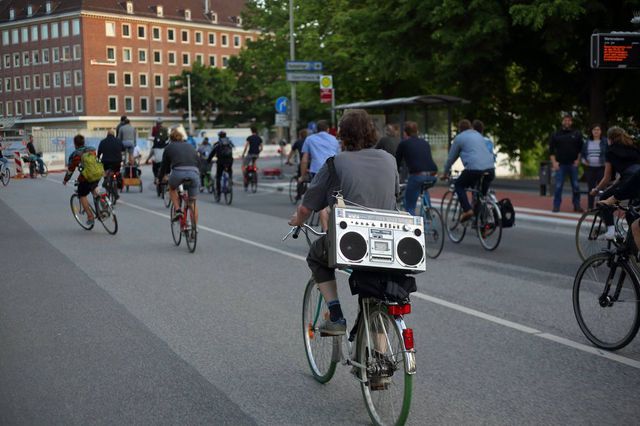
x=294, y=102
x=189, y=101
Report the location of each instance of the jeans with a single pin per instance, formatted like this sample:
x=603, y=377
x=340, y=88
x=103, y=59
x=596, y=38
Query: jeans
x=469, y=179
x=412, y=192
x=564, y=171
x=220, y=166
x=4, y=161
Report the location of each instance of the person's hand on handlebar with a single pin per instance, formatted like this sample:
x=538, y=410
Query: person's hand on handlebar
x=295, y=220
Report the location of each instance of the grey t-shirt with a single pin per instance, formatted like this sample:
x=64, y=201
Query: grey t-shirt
x=368, y=177
x=127, y=133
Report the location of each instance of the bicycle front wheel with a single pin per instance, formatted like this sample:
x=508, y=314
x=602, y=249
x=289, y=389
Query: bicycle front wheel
x=433, y=232
x=489, y=226
x=44, y=172
x=228, y=194
x=606, y=301
x=254, y=182
x=191, y=229
x=590, y=228
x=293, y=190
x=176, y=232
x=386, y=385
x=165, y=195
x=105, y=215
x=78, y=212
x=6, y=176
x=455, y=229
x=321, y=351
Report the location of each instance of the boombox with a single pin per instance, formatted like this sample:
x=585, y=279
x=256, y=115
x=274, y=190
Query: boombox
x=365, y=239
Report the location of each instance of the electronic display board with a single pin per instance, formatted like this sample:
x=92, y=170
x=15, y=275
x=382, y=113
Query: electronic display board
x=615, y=50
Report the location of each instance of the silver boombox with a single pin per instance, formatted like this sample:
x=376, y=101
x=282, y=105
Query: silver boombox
x=361, y=238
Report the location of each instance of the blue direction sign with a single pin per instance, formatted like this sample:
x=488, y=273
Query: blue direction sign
x=304, y=66
x=282, y=104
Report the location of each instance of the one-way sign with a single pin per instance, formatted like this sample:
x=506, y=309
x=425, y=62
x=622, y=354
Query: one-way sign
x=304, y=66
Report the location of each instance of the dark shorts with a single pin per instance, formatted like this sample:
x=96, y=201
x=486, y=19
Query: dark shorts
x=177, y=177
x=85, y=188
x=318, y=261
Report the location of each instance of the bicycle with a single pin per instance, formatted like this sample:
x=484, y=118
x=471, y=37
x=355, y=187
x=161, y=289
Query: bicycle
x=296, y=189
x=186, y=225
x=110, y=184
x=487, y=218
x=35, y=168
x=606, y=293
x=102, y=211
x=379, y=349
x=433, y=224
x=208, y=182
x=448, y=195
x=226, y=187
x=5, y=174
x=251, y=178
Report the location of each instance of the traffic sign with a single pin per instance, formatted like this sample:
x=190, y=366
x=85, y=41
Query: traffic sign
x=282, y=120
x=303, y=76
x=326, y=96
x=304, y=66
x=282, y=105
x=326, y=82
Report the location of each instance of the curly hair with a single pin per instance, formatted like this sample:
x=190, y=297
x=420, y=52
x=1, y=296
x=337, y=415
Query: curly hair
x=175, y=135
x=356, y=130
x=618, y=135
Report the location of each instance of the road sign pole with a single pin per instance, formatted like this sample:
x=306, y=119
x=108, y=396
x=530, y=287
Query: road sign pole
x=294, y=100
x=333, y=108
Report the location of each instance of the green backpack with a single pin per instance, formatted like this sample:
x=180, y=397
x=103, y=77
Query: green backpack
x=91, y=169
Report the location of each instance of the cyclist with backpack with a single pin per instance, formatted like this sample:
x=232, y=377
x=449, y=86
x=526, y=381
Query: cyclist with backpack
x=110, y=154
x=223, y=150
x=85, y=159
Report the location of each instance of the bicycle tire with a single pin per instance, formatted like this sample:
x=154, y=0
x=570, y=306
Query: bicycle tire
x=77, y=212
x=109, y=221
x=455, y=229
x=209, y=184
x=32, y=170
x=191, y=232
x=589, y=291
x=446, y=198
x=590, y=227
x=228, y=194
x=254, y=182
x=433, y=232
x=45, y=172
x=293, y=190
x=6, y=175
x=381, y=406
x=166, y=199
x=320, y=350
x=489, y=224
x=176, y=232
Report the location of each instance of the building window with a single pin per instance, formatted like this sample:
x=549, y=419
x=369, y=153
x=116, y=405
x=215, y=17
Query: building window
x=172, y=58
x=34, y=33
x=186, y=60
x=9, y=109
x=157, y=56
x=18, y=108
x=130, y=7
x=26, y=82
x=47, y=7
x=79, y=104
x=37, y=106
x=45, y=56
x=55, y=30
x=200, y=58
x=157, y=80
x=142, y=56
x=55, y=55
x=225, y=61
x=212, y=39
x=35, y=57
x=16, y=60
x=110, y=29
x=25, y=58
x=198, y=36
x=77, y=77
x=128, y=103
x=12, y=14
x=236, y=41
x=225, y=40
x=126, y=30
x=127, y=78
x=36, y=81
x=144, y=104
x=75, y=27
x=5, y=38
x=113, y=103
x=185, y=36
x=77, y=52
x=112, y=79
x=44, y=32
x=1, y=109
x=17, y=84
x=57, y=104
x=111, y=54
x=159, y=104
x=67, y=78
x=66, y=53
x=29, y=10
x=7, y=84
x=7, y=60
x=27, y=107
x=57, y=79
x=160, y=11
x=212, y=60
x=65, y=28
x=126, y=54
x=187, y=14
x=171, y=35
x=47, y=105
x=15, y=36
x=142, y=31
x=68, y=104
x=25, y=34
x=142, y=80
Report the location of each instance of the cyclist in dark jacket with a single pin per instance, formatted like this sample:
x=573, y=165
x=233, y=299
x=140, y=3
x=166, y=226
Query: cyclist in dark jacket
x=223, y=151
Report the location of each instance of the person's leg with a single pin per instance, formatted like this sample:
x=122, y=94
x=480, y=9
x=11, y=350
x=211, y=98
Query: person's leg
x=575, y=187
x=192, y=190
x=219, y=169
x=486, y=180
x=591, y=173
x=467, y=179
x=174, y=182
x=559, y=183
x=426, y=192
x=635, y=231
x=411, y=194
x=325, y=277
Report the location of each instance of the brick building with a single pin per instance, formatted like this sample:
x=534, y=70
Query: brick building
x=83, y=63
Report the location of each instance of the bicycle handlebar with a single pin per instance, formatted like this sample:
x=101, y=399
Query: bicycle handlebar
x=294, y=232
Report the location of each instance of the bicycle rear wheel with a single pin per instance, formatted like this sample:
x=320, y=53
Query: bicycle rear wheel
x=105, y=215
x=228, y=193
x=176, y=232
x=44, y=172
x=165, y=195
x=590, y=228
x=446, y=198
x=293, y=190
x=489, y=225
x=386, y=385
x=321, y=351
x=455, y=229
x=191, y=229
x=78, y=212
x=433, y=232
x=6, y=175
x=608, y=317
x=254, y=182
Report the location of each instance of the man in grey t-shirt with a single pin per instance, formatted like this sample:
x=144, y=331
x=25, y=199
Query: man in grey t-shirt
x=365, y=176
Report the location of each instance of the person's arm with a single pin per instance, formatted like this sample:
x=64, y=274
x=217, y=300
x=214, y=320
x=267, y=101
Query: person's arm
x=291, y=152
x=552, y=153
x=315, y=199
x=246, y=146
x=99, y=153
x=74, y=160
x=608, y=171
x=166, y=165
x=304, y=165
x=261, y=145
x=454, y=153
x=212, y=153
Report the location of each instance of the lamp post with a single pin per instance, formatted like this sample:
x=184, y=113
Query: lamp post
x=292, y=56
x=189, y=101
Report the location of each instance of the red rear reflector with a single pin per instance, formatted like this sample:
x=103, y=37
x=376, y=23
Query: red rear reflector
x=407, y=335
x=396, y=310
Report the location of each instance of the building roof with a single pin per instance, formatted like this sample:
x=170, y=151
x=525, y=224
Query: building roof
x=426, y=100
x=227, y=11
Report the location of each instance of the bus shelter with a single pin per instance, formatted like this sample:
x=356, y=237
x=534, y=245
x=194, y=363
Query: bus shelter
x=432, y=113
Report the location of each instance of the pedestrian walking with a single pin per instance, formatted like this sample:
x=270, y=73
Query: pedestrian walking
x=564, y=149
x=594, y=150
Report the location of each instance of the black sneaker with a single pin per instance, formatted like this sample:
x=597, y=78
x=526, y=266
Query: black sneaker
x=555, y=209
x=177, y=216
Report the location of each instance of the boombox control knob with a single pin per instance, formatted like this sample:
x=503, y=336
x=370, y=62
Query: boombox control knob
x=405, y=228
x=343, y=225
x=417, y=232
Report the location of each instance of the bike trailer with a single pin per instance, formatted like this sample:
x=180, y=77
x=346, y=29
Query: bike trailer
x=131, y=177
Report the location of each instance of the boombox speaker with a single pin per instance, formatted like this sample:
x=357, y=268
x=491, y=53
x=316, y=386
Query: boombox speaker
x=370, y=239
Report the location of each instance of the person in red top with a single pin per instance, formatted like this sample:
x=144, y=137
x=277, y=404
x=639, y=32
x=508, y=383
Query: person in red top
x=84, y=187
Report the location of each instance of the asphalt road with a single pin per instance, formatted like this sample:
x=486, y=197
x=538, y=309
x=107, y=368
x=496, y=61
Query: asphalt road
x=99, y=329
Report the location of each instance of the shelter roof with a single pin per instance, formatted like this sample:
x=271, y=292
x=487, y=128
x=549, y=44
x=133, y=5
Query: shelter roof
x=425, y=100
